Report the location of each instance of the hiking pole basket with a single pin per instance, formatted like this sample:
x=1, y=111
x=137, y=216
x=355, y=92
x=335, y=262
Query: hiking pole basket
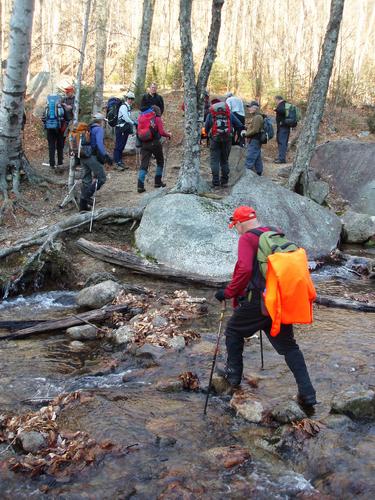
x=223, y=306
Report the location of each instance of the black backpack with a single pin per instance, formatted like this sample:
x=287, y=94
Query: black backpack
x=113, y=106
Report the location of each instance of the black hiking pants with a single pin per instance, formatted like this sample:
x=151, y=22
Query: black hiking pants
x=245, y=321
x=55, y=140
x=148, y=150
x=219, y=160
x=91, y=168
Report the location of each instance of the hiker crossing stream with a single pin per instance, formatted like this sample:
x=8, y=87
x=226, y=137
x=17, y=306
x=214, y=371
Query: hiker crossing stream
x=171, y=449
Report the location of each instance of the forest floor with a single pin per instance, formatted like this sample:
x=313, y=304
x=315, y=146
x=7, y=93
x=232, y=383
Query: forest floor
x=120, y=188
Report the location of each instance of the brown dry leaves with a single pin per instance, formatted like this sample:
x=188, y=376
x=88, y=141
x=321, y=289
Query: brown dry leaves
x=65, y=453
x=176, y=309
x=190, y=381
x=307, y=427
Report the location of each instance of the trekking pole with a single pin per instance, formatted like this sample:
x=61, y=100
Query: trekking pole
x=93, y=206
x=261, y=349
x=223, y=305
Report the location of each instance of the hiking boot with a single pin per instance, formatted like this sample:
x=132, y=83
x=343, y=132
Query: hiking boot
x=158, y=182
x=141, y=187
x=83, y=205
x=216, y=185
x=279, y=161
x=232, y=375
x=307, y=400
x=224, y=183
x=120, y=166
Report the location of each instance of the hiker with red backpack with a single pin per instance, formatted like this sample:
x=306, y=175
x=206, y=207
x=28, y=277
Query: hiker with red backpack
x=93, y=156
x=124, y=127
x=260, y=247
x=149, y=131
x=219, y=126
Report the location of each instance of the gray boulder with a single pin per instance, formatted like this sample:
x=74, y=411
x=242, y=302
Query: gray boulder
x=123, y=335
x=151, y=354
x=358, y=228
x=177, y=343
x=319, y=191
x=247, y=407
x=236, y=164
x=99, y=295
x=357, y=402
x=82, y=332
x=287, y=412
x=32, y=441
x=348, y=167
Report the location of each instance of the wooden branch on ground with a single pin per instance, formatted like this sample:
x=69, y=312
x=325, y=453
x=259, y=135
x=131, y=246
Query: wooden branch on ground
x=141, y=266
x=62, y=324
x=353, y=305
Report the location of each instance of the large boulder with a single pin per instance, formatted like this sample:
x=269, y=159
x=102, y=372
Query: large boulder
x=358, y=228
x=99, y=295
x=348, y=167
x=190, y=233
x=357, y=402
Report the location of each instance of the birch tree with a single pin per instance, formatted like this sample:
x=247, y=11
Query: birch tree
x=299, y=176
x=14, y=86
x=188, y=180
x=143, y=47
x=101, y=50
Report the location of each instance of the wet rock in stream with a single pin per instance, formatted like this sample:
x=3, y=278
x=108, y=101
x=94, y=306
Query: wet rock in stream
x=357, y=402
x=287, y=412
x=227, y=456
x=82, y=332
x=32, y=441
x=170, y=385
x=123, y=335
x=99, y=295
x=247, y=406
x=150, y=355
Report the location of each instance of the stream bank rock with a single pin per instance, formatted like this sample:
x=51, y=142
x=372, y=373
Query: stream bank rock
x=124, y=335
x=82, y=332
x=247, y=406
x=358, y=228
x=357, y=402
x=287, y=412
x=348, y=167
x=32, y=441
x=99, y=295
x=192, y=231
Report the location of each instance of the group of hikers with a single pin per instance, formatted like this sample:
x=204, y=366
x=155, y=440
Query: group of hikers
x=224, y=126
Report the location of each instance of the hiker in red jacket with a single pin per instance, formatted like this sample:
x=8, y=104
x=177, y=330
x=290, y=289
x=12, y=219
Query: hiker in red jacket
x=150, y=130
x=247, y=318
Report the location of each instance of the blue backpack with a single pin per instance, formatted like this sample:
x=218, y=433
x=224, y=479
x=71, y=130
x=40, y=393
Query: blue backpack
x=54, y=113
x=268, y=132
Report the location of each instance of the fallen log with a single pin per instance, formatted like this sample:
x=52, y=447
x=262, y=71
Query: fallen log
x=62, y=324
x=138, y=265
x=353, y=305
x=19, y=324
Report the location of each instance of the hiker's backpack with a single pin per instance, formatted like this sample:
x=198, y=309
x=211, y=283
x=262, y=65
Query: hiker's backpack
x=292, y=115
x=113, y=106
x=221, y=126
x=146, y=129
x=54, y=113
x=271, y=241
x=74, y=136
x=267, y=131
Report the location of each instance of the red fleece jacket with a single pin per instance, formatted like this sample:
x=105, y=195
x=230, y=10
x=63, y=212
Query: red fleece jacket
x=247, y=250
x=160, y=127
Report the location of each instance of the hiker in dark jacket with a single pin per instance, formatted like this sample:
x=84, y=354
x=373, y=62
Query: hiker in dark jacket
x=152, y=98
x=153, y=148
x=67, y=102
x=93, y=169
x=125, y=126
x=220, y=147
x=254, y=148
x=247, y=318
x=283, y=131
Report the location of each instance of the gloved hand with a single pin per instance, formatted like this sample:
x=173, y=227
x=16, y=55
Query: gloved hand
x=220, y=295
x=243, y=133
x=108, y=159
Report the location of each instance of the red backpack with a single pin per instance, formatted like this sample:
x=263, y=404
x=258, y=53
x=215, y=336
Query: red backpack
x=221, y=127
x=146, y=130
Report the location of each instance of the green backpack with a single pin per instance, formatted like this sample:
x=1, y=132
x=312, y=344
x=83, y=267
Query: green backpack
x=292, y=115
x=270, y=242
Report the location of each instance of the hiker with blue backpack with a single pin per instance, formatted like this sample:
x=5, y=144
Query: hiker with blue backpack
x=55, y=124
x=287, y=116
x=123, y=128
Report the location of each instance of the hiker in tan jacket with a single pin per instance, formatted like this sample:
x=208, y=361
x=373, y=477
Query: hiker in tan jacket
x=254, y=148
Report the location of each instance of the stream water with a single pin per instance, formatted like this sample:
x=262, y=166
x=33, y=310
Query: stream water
x=171, y=457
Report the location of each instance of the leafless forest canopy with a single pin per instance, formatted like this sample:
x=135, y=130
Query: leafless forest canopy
x=264, y=46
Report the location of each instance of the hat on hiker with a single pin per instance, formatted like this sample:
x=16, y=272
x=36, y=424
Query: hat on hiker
x=130, y=95
x=253, y=103
x=98, y=116
x=242, y=214
x=69, y=88
x=228, y=94
x=215, y=101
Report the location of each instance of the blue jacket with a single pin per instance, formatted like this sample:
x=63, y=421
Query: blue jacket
x=234, y=121
x=97, y=138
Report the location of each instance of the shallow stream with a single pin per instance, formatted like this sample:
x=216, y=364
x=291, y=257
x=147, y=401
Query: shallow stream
x=171, y=438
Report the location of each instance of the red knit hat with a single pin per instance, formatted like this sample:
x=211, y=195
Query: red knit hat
x=242, y=214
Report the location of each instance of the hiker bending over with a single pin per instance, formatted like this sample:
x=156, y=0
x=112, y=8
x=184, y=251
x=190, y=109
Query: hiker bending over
x=152, y=98
x=149, y=131
x=219, y=126
x=246, y=288
x=124, y=128
x=237, y=108
x=92, y=163
x=254, y=148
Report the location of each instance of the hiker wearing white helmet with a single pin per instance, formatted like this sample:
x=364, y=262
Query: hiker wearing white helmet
x=124, y=127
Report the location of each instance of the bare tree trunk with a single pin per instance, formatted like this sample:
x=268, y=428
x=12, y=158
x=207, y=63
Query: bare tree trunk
x=101, y=50
x=143, y=47
x=298, y=179
x=1, y=44
x=12, y=102
x=188, y=180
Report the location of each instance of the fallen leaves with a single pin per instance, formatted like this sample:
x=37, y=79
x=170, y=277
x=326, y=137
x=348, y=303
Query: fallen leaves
x=308, y=427
x=65, y=454
x=190, y=381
